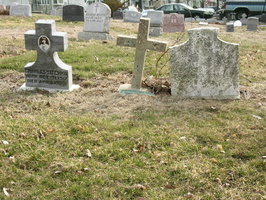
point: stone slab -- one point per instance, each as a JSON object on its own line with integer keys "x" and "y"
{"x": 126, "y": 90}
{"x": 94, "y": 36}
{"x": 205, "y": 67}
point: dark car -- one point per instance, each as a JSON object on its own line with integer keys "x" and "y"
{"x": 188, "y": 11}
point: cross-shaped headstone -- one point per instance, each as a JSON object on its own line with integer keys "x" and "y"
{"x": 48, "y": 71}
{"x": 141, "y": 43}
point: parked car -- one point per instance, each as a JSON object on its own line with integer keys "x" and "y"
{"x": 239, "y": 7}
{"x": 188, "y": 11}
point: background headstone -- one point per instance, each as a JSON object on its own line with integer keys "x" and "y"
{"x": 263, "y": 18}
{"x": 20, "y": 10}
{"x": 189, "y": 19}
{"x": 73, "y": 13}
{"x": 132, "y": 16}
{"x": 212, "y": 20}
{"x": 229, "y": 27}
{"x": 97, "y": 23}
{"x": 118, "y": 14}
{"x": 156, "y": 21}
{"x": 205, "y": 67}
{"x": 58, "y": 11}
{"x": 48, "y": 71}
{"x": 244, "y": 19}
{"x": 173, "y": 23}
{"x": 252, "y": 24}
{"x": 237, "y": 23}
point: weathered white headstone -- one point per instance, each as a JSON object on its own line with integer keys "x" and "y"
{"x": 237, "y": 23}
{"x": 173, "y": 23}
{"x": 20, "y": 10}
{"x": 205, "y": 67}
{"x": 141, "y": 43}
{"x": 252, "y": 24}
{"x": 132, "y": 16}
{"x": 48, "y": 72}
{"x": 97, "y": 22}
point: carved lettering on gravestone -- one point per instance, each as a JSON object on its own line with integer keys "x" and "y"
{"x": 97, "y": 22}
{"x": 142, "y": 43}
{"x": 48, "y": 71}
{"x": 205, "y": 66}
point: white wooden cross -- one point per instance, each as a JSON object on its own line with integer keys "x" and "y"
{"x": 141, "y": 43}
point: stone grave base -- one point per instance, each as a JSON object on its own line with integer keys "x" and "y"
{"x": 50, "y": 90}
{"x": 156, "y": 31}
{"x": 126, "y": 89}
{"x": 94, "y": 36}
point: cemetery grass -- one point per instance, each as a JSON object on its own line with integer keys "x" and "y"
{"x": 94, "y": 143}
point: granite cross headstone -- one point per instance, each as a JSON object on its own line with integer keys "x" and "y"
{"x": 244, "y": 19}
{"x": 205, "y": 67}
{"x": 97, "y": 22}
{"x": 73, "y": 13}
{"x": 48, "y": 72}
{"x": 141, "y": 43}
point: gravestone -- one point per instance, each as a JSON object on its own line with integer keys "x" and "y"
{"x": 204, "y": 23}
{"x": 17, "y": 9}
{"x": 263, "y": 18}
{"x": 200, "y": 20}
{"x": 58, "y": 11}
{"x": 189, "y": 19}
{"x": 97, "y": 22}
{"x": 224, "y": 19}
{"x": 205, "y": 67}
{"x": 237, "y": 23}
{"x": 173, "y": 23}
{"x": 141, "y": 43}
{"x": 48, "y": 72}
{"x": 212, "y": 21}
{"x": 252, "y": 24}
{"x": 230, "y": 27}
{"x": 244, "y": 19}
{"x": 73, "y": 13}
{"x": 132, "y": 16}
{"x": 156, "y": 22}
{"x": 118, "y": 14}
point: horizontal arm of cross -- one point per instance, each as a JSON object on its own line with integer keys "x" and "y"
{"x": 150, "y": 44}
{"x": 30, "y": 40}
{"x": 126, "y": 41}
{"x": 156, "y": 45}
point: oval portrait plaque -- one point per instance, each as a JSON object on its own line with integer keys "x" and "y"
{"x": 44, "y": 43}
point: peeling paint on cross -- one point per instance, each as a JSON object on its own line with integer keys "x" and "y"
{"x": 141, "y": 43}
